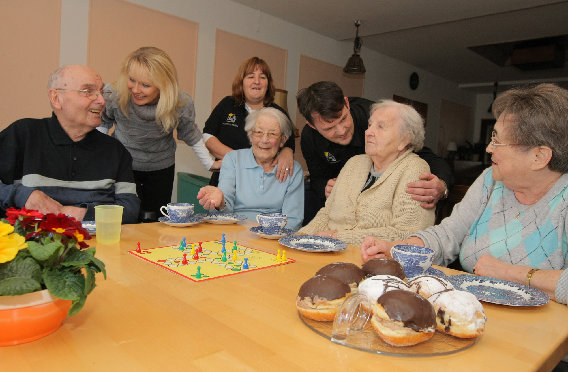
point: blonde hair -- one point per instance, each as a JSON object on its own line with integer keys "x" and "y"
{"x": 162, "y": 74}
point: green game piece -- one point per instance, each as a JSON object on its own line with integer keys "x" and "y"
{"x": 224, "y": 259}
{"x": 235, "y": 246}
{"x": 198, "y": 273}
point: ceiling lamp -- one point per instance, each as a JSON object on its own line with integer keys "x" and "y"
{"x": 355, "y": 63}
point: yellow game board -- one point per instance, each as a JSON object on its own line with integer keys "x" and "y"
{"x": 210, "y": 263}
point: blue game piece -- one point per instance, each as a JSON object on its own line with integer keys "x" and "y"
{"x": 223, "y": 239}
{"x": 245, "y": 265}
{"x": 183, "y": 243}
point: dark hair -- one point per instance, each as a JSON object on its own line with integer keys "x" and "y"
{"x": 325, "y": 98}
{"x": 539, "y": 117}
{"x": 246, "y": 68}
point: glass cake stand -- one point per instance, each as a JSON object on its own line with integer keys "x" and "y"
{"x": 351, "y": 328}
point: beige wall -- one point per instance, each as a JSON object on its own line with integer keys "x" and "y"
{"x": 117, "y": 28}
{"x": 29, "y": 36}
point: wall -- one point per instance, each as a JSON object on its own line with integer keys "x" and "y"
{"x": 385, "y": 76}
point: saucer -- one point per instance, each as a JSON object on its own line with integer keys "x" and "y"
{"x": 90, "y": 226}
{"x": 258, "y": 231}
{"x": 193, "y": 220}
{"x": 221, "y": 218}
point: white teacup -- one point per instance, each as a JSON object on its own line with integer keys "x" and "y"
{"x": 178, "y": 212}
{"x": 272, "y": 223}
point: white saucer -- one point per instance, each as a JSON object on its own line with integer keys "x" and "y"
{"x": 258, "y": 231}
{"x": 193, "y": 220}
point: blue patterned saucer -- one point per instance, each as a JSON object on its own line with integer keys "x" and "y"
{"x": 313, "y": 243}
{"x": 258, "y": 231}
{"x": 90, "y": 226}
{"x": 221, "y": 218}
{"x": 193, "y": 220}
{"x": 498, "y": 291}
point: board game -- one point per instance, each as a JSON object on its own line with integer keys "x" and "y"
{"x": 210, "y": 259}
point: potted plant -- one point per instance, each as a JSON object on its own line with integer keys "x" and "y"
{"x": 46, "y": 271}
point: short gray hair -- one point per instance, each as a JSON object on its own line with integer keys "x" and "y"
{"x": 281, "y": 118}
{"x": 410, "y": 120}
{"x": 539, "y": 117}
{"x": 55, "y": 77}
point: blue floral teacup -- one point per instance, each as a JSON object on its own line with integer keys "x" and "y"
{"x": 178, "y": 212}
{"x": 272, "y": 223}
{"x": 414, "y": 259}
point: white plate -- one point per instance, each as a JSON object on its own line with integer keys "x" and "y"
{"x": 221, "y": 218}
{"x": 258, "y": 231}
{"x": 313, "y": 243}
{"x": 193, "y": 220}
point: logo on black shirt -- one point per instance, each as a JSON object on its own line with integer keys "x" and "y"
{"x": 231, "y": 118}
{"x": 329, "y": 157}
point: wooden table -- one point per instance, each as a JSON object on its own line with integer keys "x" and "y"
{"x": 146, "y": 318}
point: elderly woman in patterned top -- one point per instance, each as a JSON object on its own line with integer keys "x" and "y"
{"x": 512, "y": 222}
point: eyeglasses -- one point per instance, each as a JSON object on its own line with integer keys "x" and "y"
{"x": 258, "y": 134}
{"x": 90, "y": 93}
{"x": 495, "y": 143}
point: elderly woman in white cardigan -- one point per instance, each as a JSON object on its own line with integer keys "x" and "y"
{"x": 369, "y": 197}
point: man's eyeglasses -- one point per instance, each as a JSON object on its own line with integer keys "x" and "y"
{"x": 90, "y": 93}
{"x": 496, "y": 143}
{"x": 258, "y": 134}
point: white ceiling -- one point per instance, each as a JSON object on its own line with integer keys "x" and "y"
{"x": 434, "y": 35}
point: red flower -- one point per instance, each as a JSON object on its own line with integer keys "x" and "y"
{"x": 66, "y": 226}
{"x": 29, "y": 216}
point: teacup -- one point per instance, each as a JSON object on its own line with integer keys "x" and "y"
{"x": 272, "y": 223}
{"x": 414, "y": 259}
{"x": 178, "y": 212}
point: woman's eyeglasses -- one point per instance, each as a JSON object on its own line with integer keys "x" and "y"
{"x": 495, "y": 143}
{"x": 258, "y": 134}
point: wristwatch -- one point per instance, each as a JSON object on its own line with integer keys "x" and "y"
{"x": 446, "y": 191}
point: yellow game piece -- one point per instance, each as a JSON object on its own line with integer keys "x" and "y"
{"x": 283, "y": 258}
{"x": 234, "y": 256}
{"x": 278, "y": 256}
{"x": 192, "y": 249}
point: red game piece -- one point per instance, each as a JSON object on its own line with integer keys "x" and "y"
{"x": 184, "y": 261}
{"x": 196, "y": 255}
{"x": 138, "y": 250}
{"x": 200, "y": 249}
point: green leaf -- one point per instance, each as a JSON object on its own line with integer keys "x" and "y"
{"x": 48, "y": 252}
{"x": 77, "y": 305}
{"x": 77, "y": 258}
{"x": 99, "y": 266}
{"x": 89, "y": 280}
{"x": 64, "y": 283}
{"x": 18, "y": 285}
{"x": 22, "y": 266}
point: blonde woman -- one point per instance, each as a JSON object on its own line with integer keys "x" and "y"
{"x": 146, "y": 104}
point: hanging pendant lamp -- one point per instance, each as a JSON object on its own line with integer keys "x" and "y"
{"x": 355, "y": 64}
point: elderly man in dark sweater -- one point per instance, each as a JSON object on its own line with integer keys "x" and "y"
{"x": 61, "y": 164}
{"x": 335, "y": 132}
